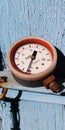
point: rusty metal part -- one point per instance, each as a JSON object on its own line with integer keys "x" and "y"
{"x": 3, "y": 79}
{"x": 50, "y": 83}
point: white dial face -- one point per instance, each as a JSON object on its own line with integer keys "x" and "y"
{"x": 33, "y": 58}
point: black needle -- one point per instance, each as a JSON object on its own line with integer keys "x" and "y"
{"x": 33, "y": 55}
{"x": 32, "y": 58}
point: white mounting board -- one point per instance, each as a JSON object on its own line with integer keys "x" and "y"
{"x": 14, "y": 84}
{"x": 40, "y": 94}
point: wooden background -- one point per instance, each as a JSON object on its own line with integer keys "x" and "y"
{"x": 23, "y": 18}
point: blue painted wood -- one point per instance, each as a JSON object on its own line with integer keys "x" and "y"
{"x": 32, "y": 18}
{"x": 40, "y": 116}
{"x": 33, "y": 116}
{"x": 41, "y": 18}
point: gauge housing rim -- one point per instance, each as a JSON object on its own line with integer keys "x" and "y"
{"x": 25, "y": 76}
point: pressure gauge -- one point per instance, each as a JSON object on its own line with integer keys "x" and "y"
{"x": 32, "y": 58}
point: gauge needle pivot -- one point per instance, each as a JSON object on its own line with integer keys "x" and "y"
{"x": 33, "y": 56}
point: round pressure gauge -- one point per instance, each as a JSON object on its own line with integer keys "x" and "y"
{"x": 32, "y": 58}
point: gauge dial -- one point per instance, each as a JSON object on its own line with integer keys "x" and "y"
{"x": 23, "y": 58}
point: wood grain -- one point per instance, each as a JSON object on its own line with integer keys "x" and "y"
{"x": 23, "y": 18}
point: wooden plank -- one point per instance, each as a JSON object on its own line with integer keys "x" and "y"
{"x": 39, "y": 97}
{"x": 31, "y": 18}
{"x": 33, "y": 115}
{"x": 40, "y": 116}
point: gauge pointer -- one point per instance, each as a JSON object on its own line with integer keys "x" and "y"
{"x": 32, "y": 58}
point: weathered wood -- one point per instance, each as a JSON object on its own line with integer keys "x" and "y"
{"x": 41, "y": 18}
{"x": 41, "y": 116}
{"x": 32, "y": 18}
